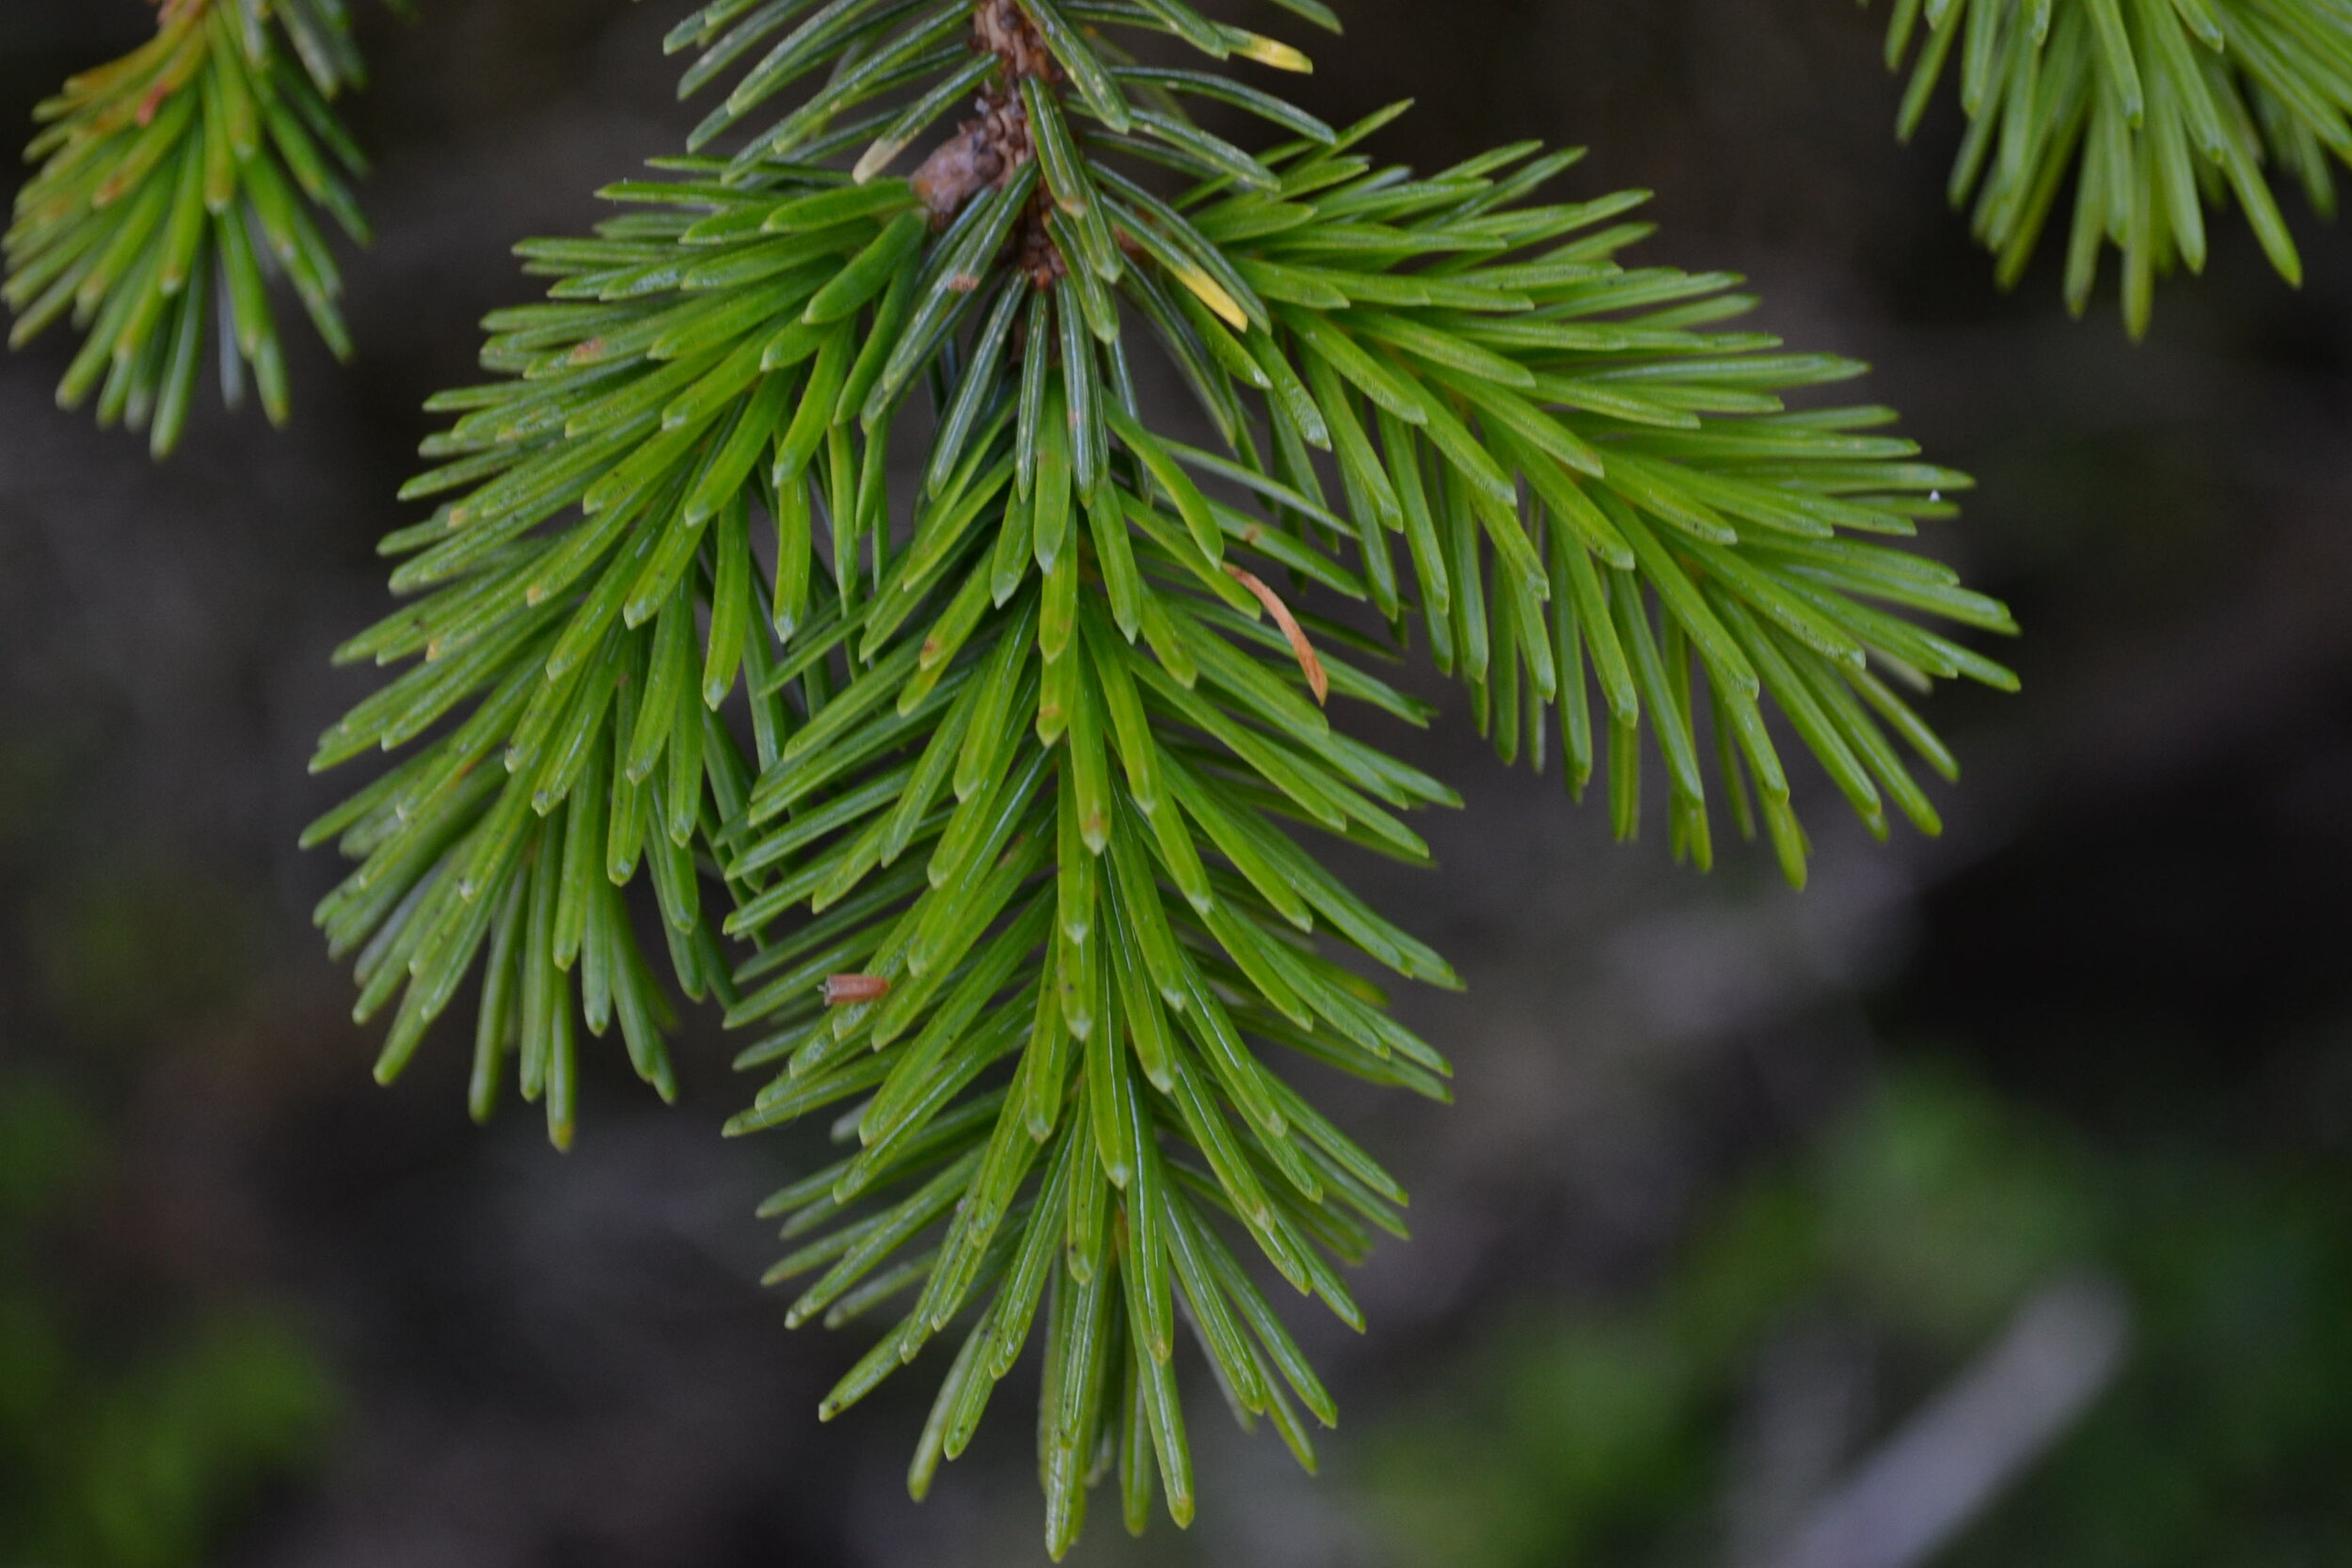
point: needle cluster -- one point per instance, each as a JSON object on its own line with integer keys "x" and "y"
{"x": 176, "y": 184}
{"x": 982, "y": 792}
{"x": 2159, "y": 109}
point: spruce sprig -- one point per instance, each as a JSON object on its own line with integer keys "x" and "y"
{"x": 179, "y": 182}
{"x": 994, "y": 781}
{"x": 1585, "y": 479}
{"x": 2159, "y": 108}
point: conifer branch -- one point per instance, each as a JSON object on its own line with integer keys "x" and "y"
{"x": 178, "y": 182}
{"x": 1585, "y": 479}
{"x": 2159, "y": 108}
{"x": 992, "y": 784}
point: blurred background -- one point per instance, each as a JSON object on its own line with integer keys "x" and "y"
{"x": 1987, "y": 1204}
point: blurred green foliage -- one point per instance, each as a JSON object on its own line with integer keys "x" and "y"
{"x": 118, "y": 1454}
{"x": 1915, "y": 1228}
{"x": 2227, "y": 1443}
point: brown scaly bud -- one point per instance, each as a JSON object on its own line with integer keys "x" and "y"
{"x": 957, "y": 170}
{"x": 1003, "y": 29}
{"x": 994, "y": 141}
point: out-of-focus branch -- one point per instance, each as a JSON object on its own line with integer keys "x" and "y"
{"x": 1955, "y": 1457}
